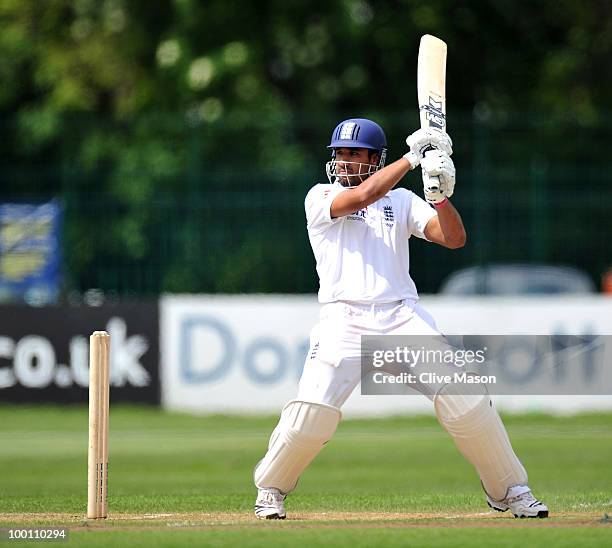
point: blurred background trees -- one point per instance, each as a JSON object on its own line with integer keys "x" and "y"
{"x": 182, "y": 136}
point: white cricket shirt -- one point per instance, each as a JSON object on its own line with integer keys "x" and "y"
{"x": 364, "y": 257}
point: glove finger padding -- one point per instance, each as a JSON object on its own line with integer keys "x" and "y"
{"x": 428, "y": 138}
{"x": 438, "y": 176}
{"x": 433, "y": 189}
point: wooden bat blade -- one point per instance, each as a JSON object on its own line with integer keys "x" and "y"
{"x": 431, "y": 82}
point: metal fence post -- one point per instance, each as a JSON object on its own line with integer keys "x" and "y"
{"x": 538, "y": 174}
{"x": 481, "y": 175}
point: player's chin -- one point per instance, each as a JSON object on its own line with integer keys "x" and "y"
{"x": 351, "y": 180}
{"x": 356, "y": 180}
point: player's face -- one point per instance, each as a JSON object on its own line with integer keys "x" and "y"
{"x": 353, "y": 165}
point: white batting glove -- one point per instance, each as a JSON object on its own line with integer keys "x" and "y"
{"x": 438, "y": 176}
{"x": 426, "y": 139}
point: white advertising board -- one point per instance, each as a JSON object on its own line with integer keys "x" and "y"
{"x": 244, "y": 354}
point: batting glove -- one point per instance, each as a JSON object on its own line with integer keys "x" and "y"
{"x": 438, "y": 176}
{"x": 426, "y": 139}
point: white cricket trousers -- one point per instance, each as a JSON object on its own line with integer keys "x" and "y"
{"x": 333, "y": 365}
{"x": 333, "y": 370}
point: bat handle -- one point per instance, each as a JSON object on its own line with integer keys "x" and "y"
{"x": 434, "y": 181}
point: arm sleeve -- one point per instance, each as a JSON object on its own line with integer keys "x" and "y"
{"x": 318, "y": 207}
{"x": 419, "y": 214}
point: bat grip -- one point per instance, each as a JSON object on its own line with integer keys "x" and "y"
{"x": 434, "y": 181}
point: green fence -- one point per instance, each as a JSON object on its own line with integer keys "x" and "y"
{"x": 227, "y": 215}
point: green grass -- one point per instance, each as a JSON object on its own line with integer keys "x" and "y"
{"x": 200, "y": 469}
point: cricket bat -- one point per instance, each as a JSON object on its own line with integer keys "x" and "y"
{"x": 431, "y": 83}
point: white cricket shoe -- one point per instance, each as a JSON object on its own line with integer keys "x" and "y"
{"x": 270, "y": 504}
{"x": 521, "y": 502}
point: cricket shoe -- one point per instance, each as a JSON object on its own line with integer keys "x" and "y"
{"x": 521, "y": 502}
{"x": 270, "y": 504}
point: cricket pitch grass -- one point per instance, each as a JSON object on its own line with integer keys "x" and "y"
{"x": 183, "y": 480}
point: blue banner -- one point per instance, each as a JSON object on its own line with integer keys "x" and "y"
{"x": 30, "y": 252}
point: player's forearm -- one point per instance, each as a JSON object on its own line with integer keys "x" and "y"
{"x": 377, "y": 185}
{"x": 451, "y": 225}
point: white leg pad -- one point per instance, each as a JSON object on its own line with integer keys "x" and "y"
{"x": 481, "y": 437}
{"x": 302, "y": 430}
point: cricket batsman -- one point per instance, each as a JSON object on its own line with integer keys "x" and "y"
{"x": 359, "y": 227}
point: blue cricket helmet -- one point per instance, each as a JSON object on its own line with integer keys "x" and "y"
{"x": 358, "y": 133}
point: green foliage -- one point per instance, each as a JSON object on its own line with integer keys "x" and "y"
{"x": 122, "y": 102}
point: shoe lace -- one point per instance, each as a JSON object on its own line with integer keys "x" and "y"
{"x": 273, "y": 497}
{"x": 523, "y": 497}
